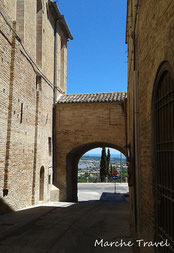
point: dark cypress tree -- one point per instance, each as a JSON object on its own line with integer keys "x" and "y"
{"x": 103, "y": 165}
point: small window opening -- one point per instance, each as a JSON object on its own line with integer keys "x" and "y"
{"x": 38, "y": 83}
{"x": 49, "y": 145}
{"x": 49, "y": 179}
{"x": 21, "y": 113}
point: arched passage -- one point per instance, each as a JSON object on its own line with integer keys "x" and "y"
{"x": 41, "y": 184}
{"x": 72, "y": 161}
{"x": 84, "y": 122}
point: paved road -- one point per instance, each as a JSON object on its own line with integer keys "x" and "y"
{"x": 72, "y": 229}
{"x": 93, "y": 191}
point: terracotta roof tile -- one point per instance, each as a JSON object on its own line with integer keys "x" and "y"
{"x": 92, "y": 98}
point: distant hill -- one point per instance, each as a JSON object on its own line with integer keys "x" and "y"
{"x": 86, "y": 157}
{"x": 97, "y": 157}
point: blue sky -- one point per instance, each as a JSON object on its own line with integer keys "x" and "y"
{"x": 97, "y": 55}
{"x": 98, "y": 151}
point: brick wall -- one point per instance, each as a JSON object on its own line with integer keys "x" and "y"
{"x": 153, "y": 44}
{"x": 26, "y": 106}
{"x": 79, "y": 128}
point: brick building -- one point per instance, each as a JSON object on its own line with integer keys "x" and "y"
{"x": 84, "y": 122}
{"x": 150, "y": 39}
{"x": 33, "y": 60}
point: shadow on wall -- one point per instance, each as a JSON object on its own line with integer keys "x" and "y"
{"x": 4, "y": 207}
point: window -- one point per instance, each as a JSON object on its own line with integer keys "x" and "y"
{"x": 49, "y": 179}
{"x": 38, "y": 83}
{"x": 21, "y": 113}
{"x": 49, "y": 145}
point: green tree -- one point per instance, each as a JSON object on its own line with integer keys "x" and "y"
{"x": 103, "y": 165}
{"x": 110, "y": 173}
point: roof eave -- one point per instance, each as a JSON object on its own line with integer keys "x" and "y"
{"x": 61, "y": 20}
{"x": 64, "y": 23}
{"x": 79, "y": 98}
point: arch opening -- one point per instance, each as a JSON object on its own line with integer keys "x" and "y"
{"x": 73, "y": 159}
{"x": 96, "y": 174}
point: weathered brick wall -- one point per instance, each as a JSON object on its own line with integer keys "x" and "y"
{"x": 10, "y": 6}
{"x": 81, "y": 127}
{"x": 130, "y": 104}
{"x": 24, "y": 143}
{"x": 5, "y": 56}
{"x": 30, "y": 27}
{"x": 154, "y": 40}
{"x": 63, "y": 64}
{"x": 44, "y": 158}
{"x": 17, "y": 137}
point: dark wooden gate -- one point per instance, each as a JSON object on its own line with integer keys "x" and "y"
{"x": 164, "y": 160}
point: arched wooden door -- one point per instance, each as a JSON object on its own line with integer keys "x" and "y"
{"x": 163, "y": 105}
{"x": 41, "y": 187}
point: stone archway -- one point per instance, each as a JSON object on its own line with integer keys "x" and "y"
{"x": 72, "y": 161}
{"x": 83, "y": 122}
{"x": 41, "y": 184}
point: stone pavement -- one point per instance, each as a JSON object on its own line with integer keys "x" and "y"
{"x": 70, "y": 229}
{"x": 93, "y": 191}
